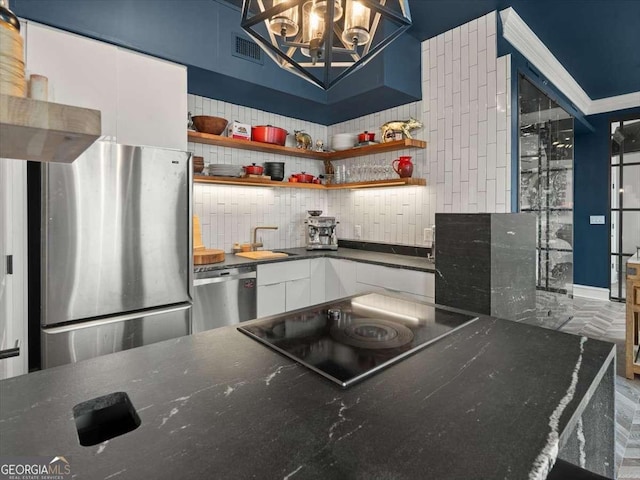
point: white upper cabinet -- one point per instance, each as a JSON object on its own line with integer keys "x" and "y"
{"x": 152, "y": 101}
{"x": 81, "y": 71}
{"x": 143, "y": 100}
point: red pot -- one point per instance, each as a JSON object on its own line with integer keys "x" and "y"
{"x": 366, "y": 137}
{"x": 269, "y": 134}
{"x": 254, "y": 169}
{"x": 304, "y": 178}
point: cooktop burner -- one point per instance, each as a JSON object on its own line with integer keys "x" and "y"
{"x": 372, "y": 333}
{"x": 352, "y": 338}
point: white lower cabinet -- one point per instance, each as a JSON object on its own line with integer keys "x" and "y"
{"x": 297, "y": 294}
{"x": 340, "y": 280}
{"x": 410, "y": 283}
{"x": 283, "y": 286}
{"x": 271, "y": 299}
{"x": 286, "y": 286}
{"x": 317, "y": 281}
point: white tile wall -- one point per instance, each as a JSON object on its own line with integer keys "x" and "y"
{"x": 466, "y": 111}
{"x": 228, "y": 213}
{"x": 467, "y": 122}
{"x": 395, "y": 215}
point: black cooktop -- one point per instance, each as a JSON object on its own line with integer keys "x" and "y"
{"x": 350, "y": 339}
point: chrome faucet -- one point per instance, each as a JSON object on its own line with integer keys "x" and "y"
{"x": 255, "y": 244}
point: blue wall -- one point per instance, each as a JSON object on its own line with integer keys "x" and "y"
{"x": 591, "y": 172}
{"x": 198, "y": 34}
{"x": 591, "y": 192}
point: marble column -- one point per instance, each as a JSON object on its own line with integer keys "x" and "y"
{"x": 485, "y": 263}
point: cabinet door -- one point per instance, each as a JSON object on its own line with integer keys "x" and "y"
{"x": 152, "y": 101}
{"x": 81, "y": 72}
{"x": 279, "y": 272}
{"x": 297, "y": 294}
{"x": 317, "y": 281}
{"x": 271, "y": 299}
{"x": 340, "y": 279}
{"x": 13, "y": 283}
{"x": 396, "y": 279}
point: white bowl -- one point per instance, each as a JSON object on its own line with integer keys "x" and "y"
{"x": 343, "y": 141}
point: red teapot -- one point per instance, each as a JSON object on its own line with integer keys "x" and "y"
{"x": 403, "y": 167}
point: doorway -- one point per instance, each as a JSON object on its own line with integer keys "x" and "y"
{"x": 625, "y": 200}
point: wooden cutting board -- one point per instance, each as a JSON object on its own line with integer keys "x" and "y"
{"x": 201, "y": 255}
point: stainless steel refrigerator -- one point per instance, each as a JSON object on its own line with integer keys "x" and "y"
{"x": 110, "y": 249}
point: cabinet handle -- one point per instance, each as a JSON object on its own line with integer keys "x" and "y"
{"x": 9, "y": 264}
{"x": 10, "y": 352}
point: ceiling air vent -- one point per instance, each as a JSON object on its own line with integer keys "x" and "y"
{"x": 242, "y": 47}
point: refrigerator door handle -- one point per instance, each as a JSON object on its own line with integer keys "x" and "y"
{"x": 11, "y": 352}
{"x": 115, "y": 319}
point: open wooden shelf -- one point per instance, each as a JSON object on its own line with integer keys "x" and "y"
{"x": 256, "y": 182}
{"x": 44, "y": 131}
{"x": 198, "y": 137}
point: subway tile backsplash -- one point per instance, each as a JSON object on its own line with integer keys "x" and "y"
{"x": 466, "y": 113}
{"x": 227, "y": 213}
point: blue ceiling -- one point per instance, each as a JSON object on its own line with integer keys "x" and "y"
{"x": 597, "y": 41}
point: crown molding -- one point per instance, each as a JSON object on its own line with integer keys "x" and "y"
{"x": 518, "y": 33}
{"x": 610, "y": 104}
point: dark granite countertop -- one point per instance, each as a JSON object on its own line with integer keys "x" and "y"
{"x": 482, "y": 403}
{"x": 385, "y": 259}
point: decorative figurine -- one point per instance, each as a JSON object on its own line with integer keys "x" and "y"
{"x": 328, "y": 167}
{"x": 190, "y": 125}
{"x": 390, "y": 129}
{"x": 319, "y": 146}
{"x": 303, "y": 140}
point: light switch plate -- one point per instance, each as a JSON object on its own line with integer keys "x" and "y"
{"x": 357, "y": 231}
{"x": 427, "y": 236}
{"x": 596, "y": 220}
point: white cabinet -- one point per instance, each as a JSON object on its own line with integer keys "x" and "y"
{"x": 297, "y": 294}
{"x": 286, "y": 286}
{"x": 271, "y": 299}
{"x": 13, "y": 284}
{"x": 411, "y": 283}
{"x": 317, "y": 281}
{"x": 152, "y": 101}
{"x": 81, "y": 71}
{"x": 283, "y": 286}
{"x": 340, "y": 279}
{"x": 143, "y": 100}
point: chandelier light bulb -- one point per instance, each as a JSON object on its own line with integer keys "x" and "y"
{"x": 285, "y": 24}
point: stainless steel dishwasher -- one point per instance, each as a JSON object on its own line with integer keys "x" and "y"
{"x": 223, "y": 297}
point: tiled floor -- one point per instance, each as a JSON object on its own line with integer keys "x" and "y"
{"x": 603, "y": 321}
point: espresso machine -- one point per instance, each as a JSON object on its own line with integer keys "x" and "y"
{"x": 321, "y": 231}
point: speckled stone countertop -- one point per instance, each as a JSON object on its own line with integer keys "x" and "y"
{"x": 490, "y": 401}
{"x": 385, "y": 259}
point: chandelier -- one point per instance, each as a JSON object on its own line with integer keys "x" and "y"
{"x": 323, "y": 41}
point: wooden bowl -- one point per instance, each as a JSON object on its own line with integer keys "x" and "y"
{"x": 207, "y": 124}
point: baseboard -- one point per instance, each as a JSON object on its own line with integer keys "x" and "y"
{"x": 595, "y": 293}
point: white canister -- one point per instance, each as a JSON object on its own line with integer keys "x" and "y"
{"x": 39, "y": 87}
